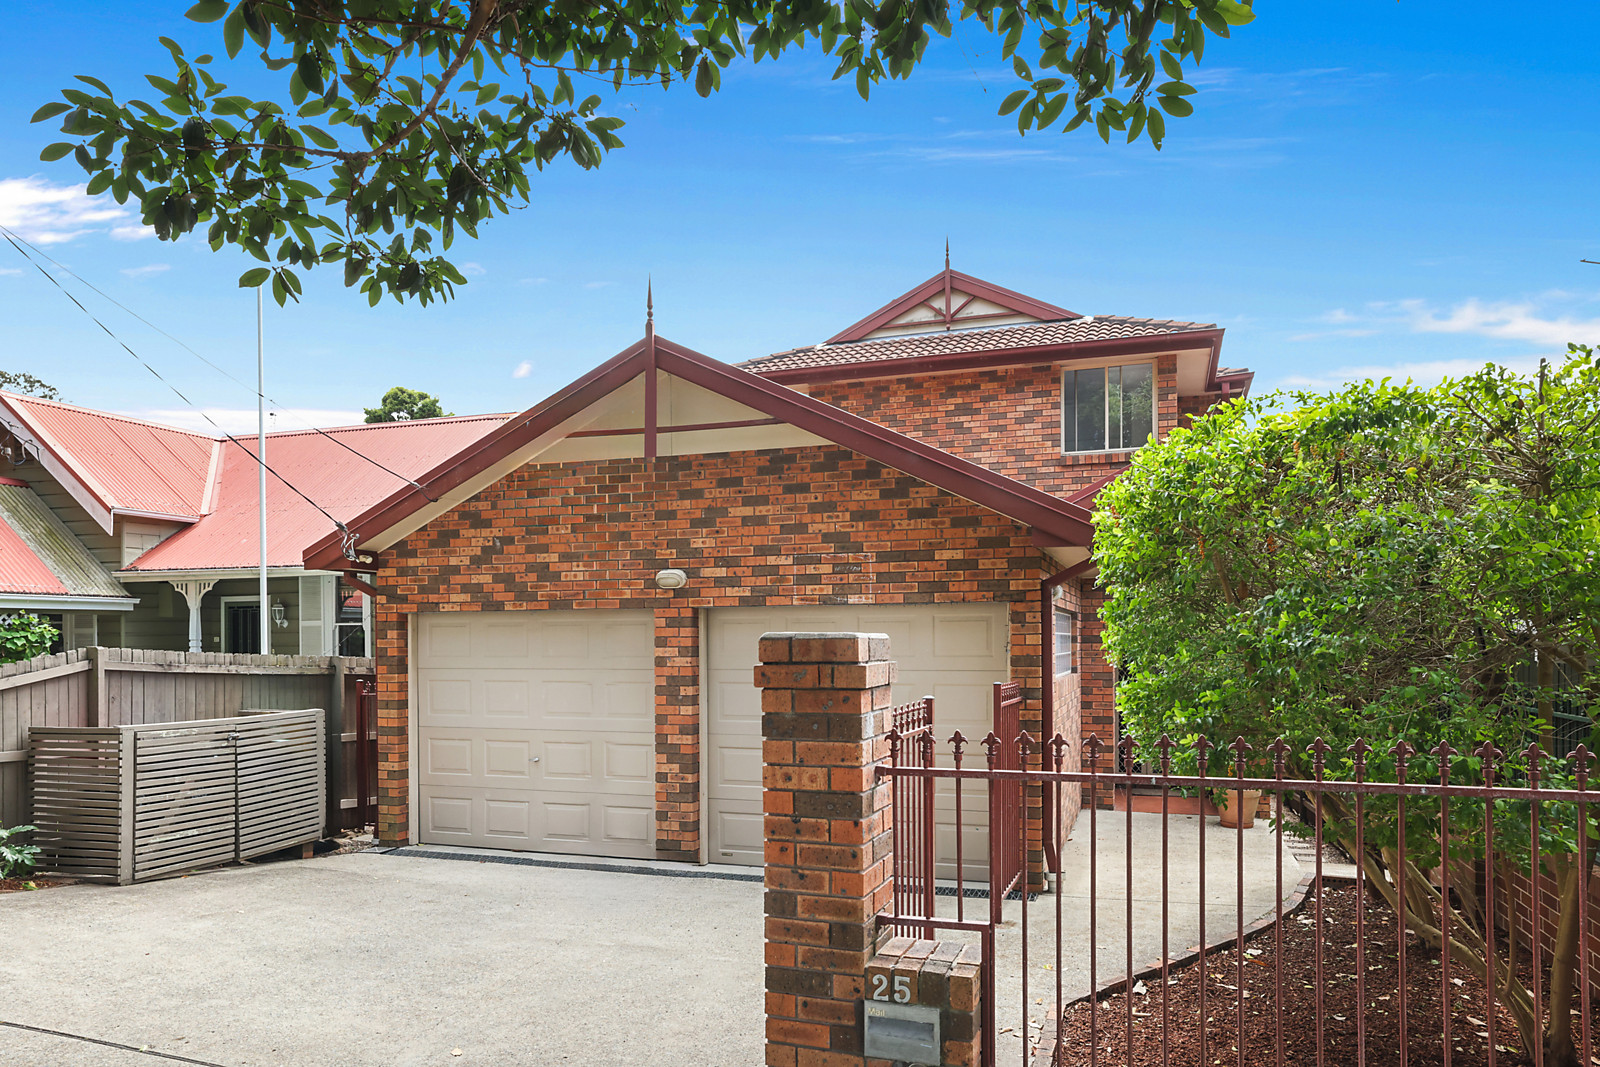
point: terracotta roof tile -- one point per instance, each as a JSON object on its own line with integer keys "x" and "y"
{"x": 957, "y": 342}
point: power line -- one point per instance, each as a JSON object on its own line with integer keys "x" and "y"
{"x": 348, "y": 536}
{"x": 15, "y": 239}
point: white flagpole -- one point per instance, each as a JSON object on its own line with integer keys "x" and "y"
{"x": 264, "y": 646}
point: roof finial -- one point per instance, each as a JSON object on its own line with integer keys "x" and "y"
{"x": 649, "y": 299}
{"x": 947, "y": 253}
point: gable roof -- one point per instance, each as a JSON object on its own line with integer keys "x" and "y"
{"x": 113, "y": 464}
{"x": 1087, "y": 335}
{"x": 39, "y": 556}
{"x": 316, "y": 464}
{"x": 950, "y": 299}
{"x": 479, "y": 464}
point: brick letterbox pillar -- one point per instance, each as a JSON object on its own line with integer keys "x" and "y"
{"x": 824, "y": 699}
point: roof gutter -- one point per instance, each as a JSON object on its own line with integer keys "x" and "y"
{"x": 49, "y": 602}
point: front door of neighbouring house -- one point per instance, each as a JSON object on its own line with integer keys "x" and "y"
{"x": 536, "y": 730}
{"x": 241, "y": 623}
{"x": 952, "y": 652}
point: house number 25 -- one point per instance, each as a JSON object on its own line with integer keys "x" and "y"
{"x": 902, "y": 988}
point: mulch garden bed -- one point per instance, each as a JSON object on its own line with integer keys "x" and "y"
{"x": 27, "y": 885}
{"x": 1182, "y": 1045}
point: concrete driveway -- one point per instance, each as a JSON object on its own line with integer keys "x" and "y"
{"x": 385, "y": 960}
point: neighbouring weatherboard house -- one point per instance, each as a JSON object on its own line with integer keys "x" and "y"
{"x": 127, "y": 533}
{"x": 570, "y": 604}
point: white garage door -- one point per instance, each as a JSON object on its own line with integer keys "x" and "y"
{"x": 536, "y": 730}
{"x": 952, "y": 652}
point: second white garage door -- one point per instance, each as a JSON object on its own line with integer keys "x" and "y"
{"x": 536, "y": 730}
{"x": 952, "y": 652}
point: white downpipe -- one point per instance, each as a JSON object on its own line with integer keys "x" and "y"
{"x": 264, "y": 605}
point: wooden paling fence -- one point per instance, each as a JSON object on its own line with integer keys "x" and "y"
{"x": 127, "y": 803}
{"x": 93, "y": 687}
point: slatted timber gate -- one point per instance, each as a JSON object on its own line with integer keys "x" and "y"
{"x": 127, "y": 803}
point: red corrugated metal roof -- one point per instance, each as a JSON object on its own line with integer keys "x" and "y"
{"x": 128, "y": 464}
{"x": 21, "y": 569}
{"x": 344, "y": 484}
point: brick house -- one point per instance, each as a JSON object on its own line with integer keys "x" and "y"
{"x": 570, "y": 605}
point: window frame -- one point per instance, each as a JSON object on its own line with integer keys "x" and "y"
{"x": 1069, "y": 372}
{"x": 1057, "y": 613}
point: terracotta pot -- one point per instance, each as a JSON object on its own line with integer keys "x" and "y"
{"x": 1239, "y": 804}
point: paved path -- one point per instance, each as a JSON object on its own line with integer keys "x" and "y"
{"x": 387, "y": 961}
{"x": 1112, "y": 940}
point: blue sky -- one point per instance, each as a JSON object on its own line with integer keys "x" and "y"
{"x": 1406, "y": 188}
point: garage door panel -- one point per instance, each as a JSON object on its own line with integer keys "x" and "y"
{"x": 568, "y": 760}
{"x": 536, "y": 731}
{"x": 952, "y": 652}
{"x": 630, "y": 764}
{"x": 507, "y": 759}
{"x": 447, "y": 757}
{"x": 739, "y": 833}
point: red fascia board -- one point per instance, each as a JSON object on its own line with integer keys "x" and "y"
{"x": 935, "y": 466}
{"x": 1025, "y": 305}
{"x": 327, "y": 553}
{"x": 1003, "y": 357}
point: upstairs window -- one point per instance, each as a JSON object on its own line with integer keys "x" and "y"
{"x": 1108, "y": 409}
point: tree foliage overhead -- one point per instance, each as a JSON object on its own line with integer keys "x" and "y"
{"x": 28, "y": 385}
{"x": 1385, "y": 566}
{"x": 401, "y": 405}
{"x": 401, "y": 123}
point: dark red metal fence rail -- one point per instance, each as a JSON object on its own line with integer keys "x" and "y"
{"x": 1469, "y": 804}
{"x": 911, "y": 745}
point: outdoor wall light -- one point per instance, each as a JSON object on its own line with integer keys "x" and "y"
{"x": 280, "y": 618}
{"x": 671, "y": 579}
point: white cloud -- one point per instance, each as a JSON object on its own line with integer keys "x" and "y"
{"x": 524, "y": 369}
{"x": 532, "y": 281}
{"x": 134, "y": 232}
{"x": 146, "y": 270}
{"x": 473, "y": 270}
{"x": 1423, "y": 373}
{"x": 46, "y": 213}
{"x": 595, "y": 285}
{"x": 243, "y": 420}
{"x": 10, "y": 270}
{"x": 1503, "y": 321}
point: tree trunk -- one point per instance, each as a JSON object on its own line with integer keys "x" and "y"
{"x": 1559, "y": 1048}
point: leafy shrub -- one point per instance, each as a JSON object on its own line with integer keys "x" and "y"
{"x": 16, "y": 859}
{"x": 24, "y": 635}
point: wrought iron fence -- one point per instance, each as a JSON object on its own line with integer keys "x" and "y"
{"x": 1488, "y": 859}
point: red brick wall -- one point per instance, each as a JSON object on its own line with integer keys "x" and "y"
{"x": 1008, "y": 420}
{"x": 790, "y": 526}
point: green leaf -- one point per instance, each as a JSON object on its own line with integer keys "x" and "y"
{"x": 233, "y": 31}
{"x": 207, "y": 11}
{"x": 96, "y": 82}
{"x": 1157, "y": 126}
{"x": 702, "y": 78}
{"x": 1052, "y": 111}
{"x": 1170, "y": 64}
{"x": 1176, "y": 106}
{"x": 1175, "y": 89}
{"x": 99, "y": 183}
{"x": 1013, "y": 101}
{"x": 55, "y": 151}
{"x": 253, "y": 278}
{"x": 1022, "y": 69}
{"x": 1235, "y": 13}
{"x": 50, "y": 111}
